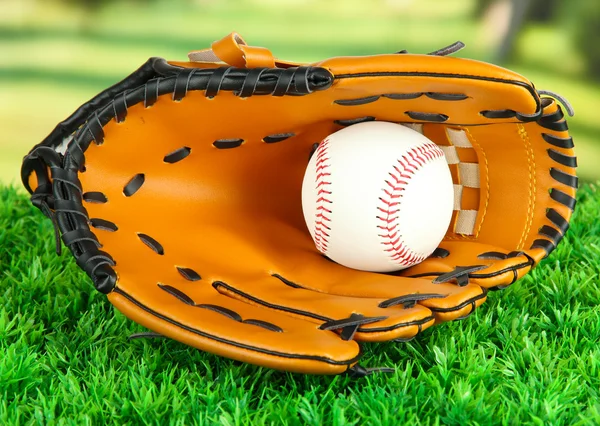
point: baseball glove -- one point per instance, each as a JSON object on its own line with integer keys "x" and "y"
{"x": 178, "y": 192}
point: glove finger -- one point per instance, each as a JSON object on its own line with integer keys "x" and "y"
{"x": 374, "y": 320}
{"x": 197, "y": 315}
{"x": 464, "y": 261}
{"x": 402, "y": 320}
{"x": 296, "y": 260}
{"x": 447, "y": 301}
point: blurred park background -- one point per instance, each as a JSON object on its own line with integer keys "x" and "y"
{"x": 56, "y": 54}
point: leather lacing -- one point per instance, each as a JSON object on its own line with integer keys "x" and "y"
{"x": 60, "y": 195}
{"x": 555, "y": 121}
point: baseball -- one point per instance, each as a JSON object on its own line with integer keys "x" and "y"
{"x": 377, "y": 196}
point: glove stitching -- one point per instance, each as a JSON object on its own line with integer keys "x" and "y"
{"x": 532, "y": 184}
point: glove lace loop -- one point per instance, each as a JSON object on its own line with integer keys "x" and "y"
{"x": 560, "y": 99}
{"x": 448, "y": 50}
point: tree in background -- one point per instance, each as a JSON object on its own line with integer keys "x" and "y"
{"x": 519, "y": 14}
{"x": 544, "y": 10}
{"x": 539, "y": 10}
{"x": 586, "y": 33}
{"x": 506, "y": 18}
{"x": 481, "y": 7}
{"x": 503, "y": 21}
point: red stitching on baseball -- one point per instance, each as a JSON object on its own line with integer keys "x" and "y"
{"x": 322, "y": 185}
{"x": 415, "y": 154}
{"x": 415, "y": 159}
{"x": 409, "y": 164}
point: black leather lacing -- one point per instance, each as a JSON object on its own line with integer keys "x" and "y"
{"x": 59, "y": 193}
{"x": 460, "y": 274}
{"x": 177, "y": 155}
{"x": 448, "y": 50}
{"x": 410, "y": 300}
{"x": 360, "y": 371}
{"x": 189, "y": 274}
{"x": 95, "y": 197}
{"x": 278, "y": 137}
{"x": 351, "y": 121}
{"x": 440, "y": 253}
{"x": 552, "y": 235}
{"x": 103, "y": 224}
{"x": 349, "y": 325}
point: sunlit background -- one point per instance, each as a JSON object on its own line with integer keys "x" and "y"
{"x": 55, "y": 55}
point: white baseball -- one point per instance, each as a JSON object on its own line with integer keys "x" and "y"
{"x": 377, "y": 196}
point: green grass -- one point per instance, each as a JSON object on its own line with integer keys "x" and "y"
{"x": 529, "y": 355}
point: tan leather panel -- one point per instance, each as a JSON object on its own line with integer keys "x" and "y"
{"x": 507, "y": 173}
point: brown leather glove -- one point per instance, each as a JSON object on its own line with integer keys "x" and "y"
{"x": 178, "y": 191}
